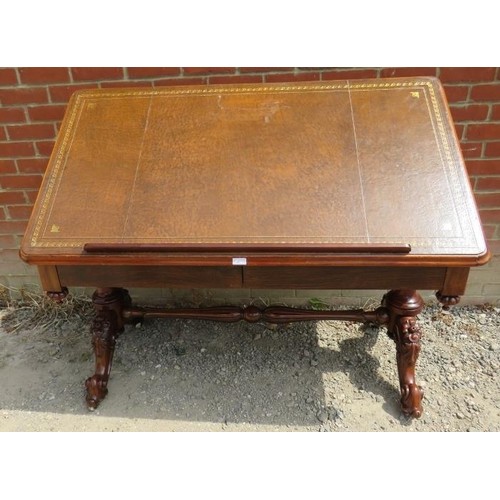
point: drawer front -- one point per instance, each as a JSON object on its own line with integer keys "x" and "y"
{"x": 329, "y": 278}
{"x": 151, "y": 276}
{"x": 332, "y": 278}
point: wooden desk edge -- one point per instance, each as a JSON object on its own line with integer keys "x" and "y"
{"x": 253, "y": 259}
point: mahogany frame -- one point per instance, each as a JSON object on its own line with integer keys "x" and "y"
{"x": 398, "y": 312}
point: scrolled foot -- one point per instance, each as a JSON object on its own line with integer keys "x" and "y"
{"x": 96, "y": 391}
{"x": 411, "y": 400}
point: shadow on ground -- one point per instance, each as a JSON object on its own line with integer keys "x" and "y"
{"x": 299, "y": 375}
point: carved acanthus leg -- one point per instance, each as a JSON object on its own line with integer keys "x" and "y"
{"x": 106, "y": 327}
{"x": 403, "y": 307}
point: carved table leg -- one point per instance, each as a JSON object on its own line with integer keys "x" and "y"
{"x": 108, "y": 324}
{"x": 403, "y": 307}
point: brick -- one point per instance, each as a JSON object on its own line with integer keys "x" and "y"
{"x": 2, "y": 214}
{"x": 489, "y": 92}
{"x": 10, "y": 255}
{"x": 486, "y": 131}
{"x": 208, "y": 71}
{"x": 472, "y": 289}
{"x": 473, "y": 112}
{"x": 264, "y": 70}
{"x": 398, "y": 72}
{"x": 291, "y": 77}
{"x": 495, "y": 112}
{"x": 32, "y": 165}
{"x": 43, "y": 75}
{"x": 459, "y": 129}
{"x": 490, "y": 216}
{"x": 471, "y": 149}
{"x": 489, "y": 230}
{"x": 62, "y": 93}
{"x": 152, "y": 72}
{"x": 487, "y": 200}
{"x": 45, "y": 147}
{"x": 19, "y": 212}
{"x": 31, "y": 195}
{"x": 352, "y": 302}
{"x": 8, "y": 76}
{"x": 20, "y": 181}
{"x": 235, "y": 79}
{"x": 12, "y": 115}
{"x": 12, "y": 227}
{"x": 494, "y": 248}
{"x": 456, "y": 93}
{"x": 7, "y": 167}
{"x": 179, "y": 81}
{"x": 488, "y": 183}
{"x": 82, "y": 74}
{"x": 308, "y": 294}
{"x": 28, "y": 131}
{"x": 8, "y": 241}
{"x": 466, "y": 74}
{"x": 3, "y": 134}
{"x": 491, "y": 289}
{"x": 17, "y": 274}
{"x": 319, "y": 68}
{"x": 483, "y": 167}
{"x": 15, "y": 149}
{"x": 46, "y": 113}
{"x": 471, "y": 298}
{"x": 126, "y": 83}
{"x": 349, "y": 74}
{"x": 23, "y": 96}
{"x": 12, "y": 198}
{"x": 492, "y": 149}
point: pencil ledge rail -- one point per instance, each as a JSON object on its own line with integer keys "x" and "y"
{"x": 258, "y": 248}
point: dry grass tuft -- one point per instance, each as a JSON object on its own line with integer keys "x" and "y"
{"x": 35, "y": 311}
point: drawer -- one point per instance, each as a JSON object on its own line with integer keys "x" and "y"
{"x": 151, "y": 276}
{"x": 332, "y": 278}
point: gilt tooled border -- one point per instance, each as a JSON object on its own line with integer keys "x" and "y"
{"x": 62, "y": 148}
{"x": 60, "y": 153}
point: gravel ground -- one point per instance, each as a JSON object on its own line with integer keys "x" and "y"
{"x": 171, "y": 375}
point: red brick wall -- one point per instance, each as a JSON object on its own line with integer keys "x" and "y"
{"x": 33, "y": 100}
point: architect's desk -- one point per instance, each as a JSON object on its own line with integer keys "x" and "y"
{"x": 339, "y": 185}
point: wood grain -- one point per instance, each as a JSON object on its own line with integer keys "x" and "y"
{"x": 49, "y": 278}
{"x": 149, "y": 276}
{"x": 328, "y": 278}
{"x": 343, "y": 277}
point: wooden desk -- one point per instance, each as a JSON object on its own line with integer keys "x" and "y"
{"x": 346, "y": 184}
